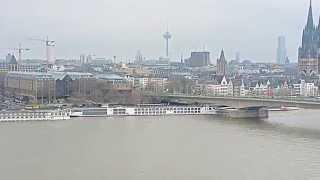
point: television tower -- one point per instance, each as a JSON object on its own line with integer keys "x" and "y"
{"x": 167, "y": 36}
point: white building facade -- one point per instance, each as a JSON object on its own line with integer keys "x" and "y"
{"x": 225, "y": 88}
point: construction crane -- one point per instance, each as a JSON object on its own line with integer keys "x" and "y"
{"x": 19, "y": 49}
{"x": 48, "y": 44}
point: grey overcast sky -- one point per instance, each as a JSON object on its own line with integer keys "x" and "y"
{"x": 121, "y": 27}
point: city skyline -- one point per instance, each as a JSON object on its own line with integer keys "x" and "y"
{"x": 215, "y": 25}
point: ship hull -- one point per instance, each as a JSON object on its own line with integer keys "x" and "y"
{"x": 143, "y": 111}
{"x": 45, "y": 115}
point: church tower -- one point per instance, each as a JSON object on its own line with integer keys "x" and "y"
{"x": 222, "y": 65}
{"x": 309, "y": 54}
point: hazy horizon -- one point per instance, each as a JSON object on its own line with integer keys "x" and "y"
{"x": 121, "y": 28}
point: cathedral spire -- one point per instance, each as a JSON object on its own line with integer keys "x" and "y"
{"x": 310, "y": 17}
{"x": 222, "y": 57}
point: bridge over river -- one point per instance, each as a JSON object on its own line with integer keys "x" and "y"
{"x": 242, "y": 101}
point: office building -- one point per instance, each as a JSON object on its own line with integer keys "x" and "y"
{"x": 281, "y": 50}
{"x": 198, "y": 59}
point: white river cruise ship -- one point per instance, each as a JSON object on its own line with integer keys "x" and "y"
{"x": 35, "y": 115}
{"x": 143, "y": 110}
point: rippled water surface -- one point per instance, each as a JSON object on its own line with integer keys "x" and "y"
{"x": 284, "y": 147}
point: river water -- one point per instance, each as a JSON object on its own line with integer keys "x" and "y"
{"x": 284, "y": 147}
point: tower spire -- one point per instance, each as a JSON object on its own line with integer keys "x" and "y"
{"x": 310, "y": 17}
{"x": 222, "y": 55}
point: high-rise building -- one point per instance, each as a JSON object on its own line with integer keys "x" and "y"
{"x": 222, "y": 65}
{"x": 281, "y": 50}
{"x": 238, "y": 59}
{"x": 198, "y": 59}
{"x": 82, "y": 59}
{"x": 89, "y": 59}
{"x": 309, "y": 51}
{"x": 8, "y": 58}
{"x": 50, "y": 52}
{"x": 138, "y": 58}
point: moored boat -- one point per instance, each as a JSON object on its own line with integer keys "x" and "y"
{"x": 144, "y": 110}
{"x": 254, "y": 112}
{"x": 89, "y": 112}
{"x": 283, "y": 108}
{"x": 35, "y": 115}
